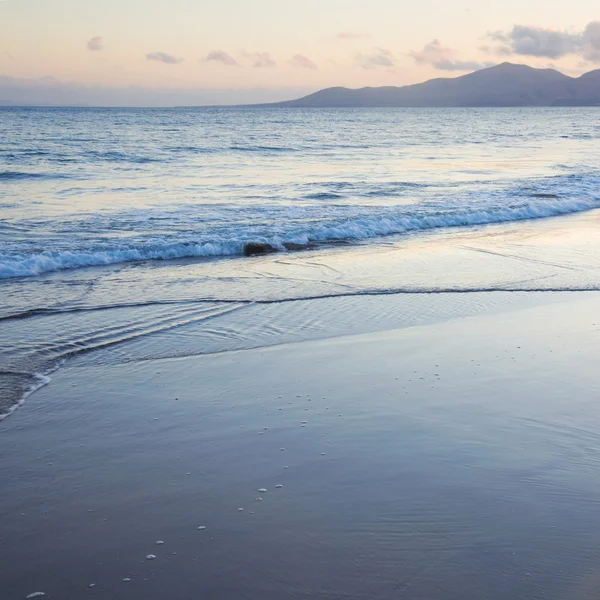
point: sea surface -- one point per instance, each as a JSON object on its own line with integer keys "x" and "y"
{"x": 121, "y": 226}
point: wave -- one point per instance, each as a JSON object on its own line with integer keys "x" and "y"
{"x": 114, "y": 156}
{"x": 192, "y": 149}
{"x": 31, "y": 382}
{"x": 324, "y": 196}
{"x": 22, "y": 154}
{"x": 261, "y": 148}
{"x": 305, "y": 236}
{"x": 20, "y": 175}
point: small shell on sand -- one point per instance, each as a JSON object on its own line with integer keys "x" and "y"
{"x": 150, "y": 556}
{"x": 202, "y": 527}
{"x": 36, "y": 595}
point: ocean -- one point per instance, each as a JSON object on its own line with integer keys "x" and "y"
{"x": 123, "y": 225}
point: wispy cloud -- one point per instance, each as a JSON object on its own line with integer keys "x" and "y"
{"x": 379, "y": 58}
{"x": 440, "y": 57}
{"x": 260, "y": 60}
{"x": 163, "y": 57}
{"x": 302, "y": 62}
{"x": 95, "y": 44}
{"x": 525, "y": 40}
{"x": 222, "y": 57}
{"x": 351, "y": 35}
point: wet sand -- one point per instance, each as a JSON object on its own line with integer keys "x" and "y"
{"x": 437, "y": 462}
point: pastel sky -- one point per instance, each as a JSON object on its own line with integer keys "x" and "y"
{"x": 188, "y": 51}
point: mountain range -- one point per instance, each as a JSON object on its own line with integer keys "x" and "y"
{"x": 506, "y": 84}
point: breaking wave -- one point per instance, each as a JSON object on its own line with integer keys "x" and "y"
{"x": 296, "y": 236}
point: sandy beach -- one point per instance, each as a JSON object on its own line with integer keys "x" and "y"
{"x": 450, "y": 460}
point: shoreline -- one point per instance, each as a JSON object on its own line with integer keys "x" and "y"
{"x": 421, "y": 308}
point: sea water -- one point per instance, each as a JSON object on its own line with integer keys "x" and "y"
{"x": 120, "y": 224}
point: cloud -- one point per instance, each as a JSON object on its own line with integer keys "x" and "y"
{"x": 380, "y": 58}
{"x": 260, "y": 60}
{"x": 351, "y": 35}
{"x": 223, "y": 58}
{"x": 302, "y": 62}
{"x": 535, "y": 41}
{"x": 440, "y": 57}
{"x": 163, "y": 57}
{"x": 525, "y": 40}
{"x": 591, "y": 42}
{"x": 96, "y": 44}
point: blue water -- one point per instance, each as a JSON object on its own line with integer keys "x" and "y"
{"x": 83, "y": 187}
{"x": 118, "y": 226}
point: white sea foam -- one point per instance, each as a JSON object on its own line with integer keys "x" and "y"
{"x": 38, "y": 382}
{"x": 354, "y": 228}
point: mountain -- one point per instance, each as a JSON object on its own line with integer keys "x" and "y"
{"x": 506, "y": 84}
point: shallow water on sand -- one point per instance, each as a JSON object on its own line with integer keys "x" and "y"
{"x": 440, "y": 462}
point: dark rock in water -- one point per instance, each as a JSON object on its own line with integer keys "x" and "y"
{"x": 255, "y": 249}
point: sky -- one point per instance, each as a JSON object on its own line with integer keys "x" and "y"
{"x": 180, "y": 52}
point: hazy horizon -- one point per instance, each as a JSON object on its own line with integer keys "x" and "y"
{"x": 50, "y": 92}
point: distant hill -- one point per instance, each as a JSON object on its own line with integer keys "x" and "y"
{"x": 506, "y": 84}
